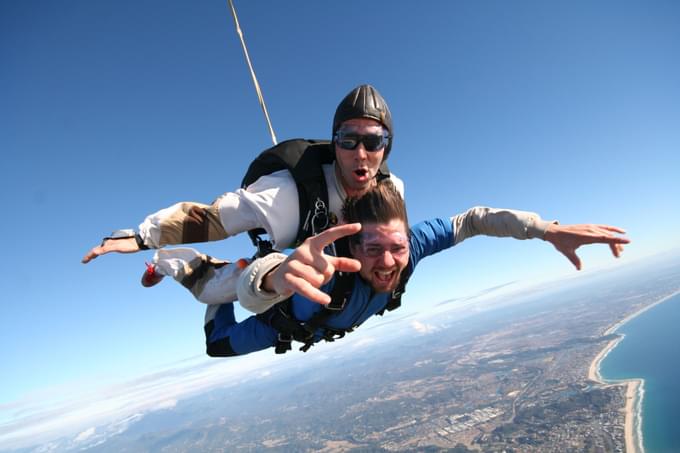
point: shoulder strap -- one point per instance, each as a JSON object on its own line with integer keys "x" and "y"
{"x": 312, "y": 190}
{"x": 304, "y": 160}
{"x": 287, "y": 155}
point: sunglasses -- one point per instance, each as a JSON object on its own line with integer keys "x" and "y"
{"x": 350, "y": 140}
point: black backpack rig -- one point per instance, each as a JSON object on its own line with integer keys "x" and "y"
{"x": 304, "y": 160}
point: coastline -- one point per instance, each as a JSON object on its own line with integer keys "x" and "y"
{"x": 634, "y": 387}
{"x": 633, "y": 420}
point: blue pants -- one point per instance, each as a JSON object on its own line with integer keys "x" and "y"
{"x": 226, "y": 338}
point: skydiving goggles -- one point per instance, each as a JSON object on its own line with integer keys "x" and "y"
{"x": 374, "y": 246}
{"x": 349, "y": 139}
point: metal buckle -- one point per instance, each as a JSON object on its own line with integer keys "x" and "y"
{"x": 319, "y": 219}
{"x": 309, "y": 333}
{"x": 264, "y": 247}
{"x": 339, "y": 307}
{"x": 284, "y": 338}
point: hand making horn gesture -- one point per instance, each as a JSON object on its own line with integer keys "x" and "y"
{"x": 308, "y": 268}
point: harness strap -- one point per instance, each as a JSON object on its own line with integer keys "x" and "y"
{"x": 281, "y": 318}
{"x": 304, "y": 159}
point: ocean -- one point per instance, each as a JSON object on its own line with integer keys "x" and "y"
{"x": 650, "y": 351}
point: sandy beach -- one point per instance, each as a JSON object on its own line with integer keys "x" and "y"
{"x": 634, "y": 387}
{"x": 633, "y": 445}
{"x": 594, "y": 370}
{"x": 633, "y": 438}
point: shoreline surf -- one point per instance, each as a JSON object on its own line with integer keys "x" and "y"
{"x": 634, "y": 387}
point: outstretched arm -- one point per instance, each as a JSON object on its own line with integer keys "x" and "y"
{"x": 181, "y": 223}
{"x": 482, "y": 220}
{"x": 568, "y": 238}
{"x": 529, "y": 225}
{"x": 271, "y": 203}
{"x": 124, "y": 245}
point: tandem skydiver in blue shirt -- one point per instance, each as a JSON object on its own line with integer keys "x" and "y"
{"x": 290, "y": 294}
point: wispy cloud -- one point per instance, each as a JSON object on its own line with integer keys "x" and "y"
{"x": 423, "y": 328}
{"x": 85, "y": 435}
{"x": 478, "y": 294}
{"x": 32, "y": 421}
{"x": 363, "y": 342}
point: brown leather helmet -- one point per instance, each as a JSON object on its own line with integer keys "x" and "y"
{"x": 364, "y": 101}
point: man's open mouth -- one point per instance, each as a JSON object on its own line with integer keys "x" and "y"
{"x": 384, "y": 276}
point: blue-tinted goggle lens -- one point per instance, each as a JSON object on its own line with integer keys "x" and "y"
{"x": 372, "y": 142}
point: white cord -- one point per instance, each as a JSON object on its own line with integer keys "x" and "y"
{"x": 252, "y": 72}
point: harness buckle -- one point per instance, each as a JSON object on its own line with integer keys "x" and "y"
{"x": 284, "y": 338}
{"x": 319, "y": 221}
{"x": 336, "y": 307}
{"x": 283, "y": 343}
{"x": 304, "y": 334}
{"x": 264, "y": 247}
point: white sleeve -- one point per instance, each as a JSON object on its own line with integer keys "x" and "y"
{"x": 271, "y": 203}
{"x": 249, "y": 290}
{"x": 498, "y": 222}
{"x": 182, "y": 223}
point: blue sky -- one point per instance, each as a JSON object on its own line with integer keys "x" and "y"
{"x": 110, "y": 111}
